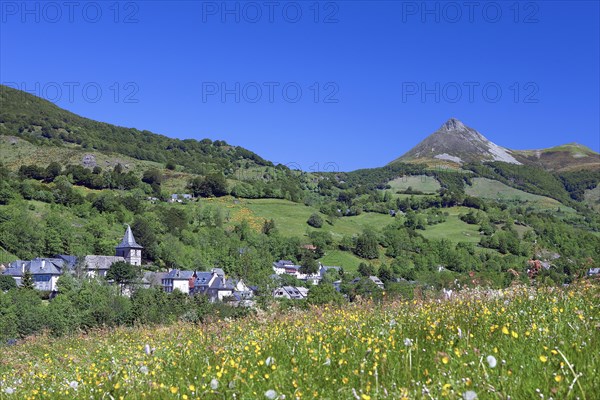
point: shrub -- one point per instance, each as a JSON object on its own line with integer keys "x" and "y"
{"x": 315, "y": 221}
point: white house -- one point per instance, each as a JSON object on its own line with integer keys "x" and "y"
{"x": 287, "y": 267}
{"x": 181, "y": 280}
{"x": 44, "y": 272}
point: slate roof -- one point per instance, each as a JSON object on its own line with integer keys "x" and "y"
{"x": 293, "y": 292}
{"x": 153, "y": 278}
{"x": 221, "y": 284}
{"x": 128, "y": 241}
{"x": 71, "y": 261}
{"x": 177, "y": 274}
{"x": 37, "y": 266}
{"x": 94, "y": 262}
{"x": 203, "y": 278}
{"x": 283, "y": 264}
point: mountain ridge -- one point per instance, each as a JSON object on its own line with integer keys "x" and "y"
{"x": 460, "y": 144}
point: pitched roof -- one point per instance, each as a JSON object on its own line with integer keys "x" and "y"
{"x": 128, "y": 241}
{"x": 179, "y": 275}
{"x": 221, "y": 284}
{"x": 203, "y": 278}
{"x": 100, "y": 262}
{"x": 218, "y": 271}
{"x": 153, "y": 278}
{"x": 37, "y": 266}
{"x": 71, "y": 261}
{"x": 282, "y": 263}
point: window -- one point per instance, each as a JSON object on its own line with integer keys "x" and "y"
{"x": 41, "y": 278}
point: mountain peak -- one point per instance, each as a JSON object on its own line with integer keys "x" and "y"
{"x": 453, "y": 125}
{"x": 456, "y": 142}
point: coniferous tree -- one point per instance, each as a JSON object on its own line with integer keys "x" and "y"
{"x": 27, "y": 281}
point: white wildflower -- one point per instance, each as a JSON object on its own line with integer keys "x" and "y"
{"x": 144, "y": 370}
{"x": 469, "y": 395}
{"x": 74, "y": 385}
{"x": 491, "y": 360}
{"x": 327, "y": 362}
{"x": 214, "y": 384}
{"x": 269, "y": 361}
{"x": 147, "y": 349}
{"x": 9, "y": 390}
{"x": 408, "y": 342}
{"x": 271, "y": 394}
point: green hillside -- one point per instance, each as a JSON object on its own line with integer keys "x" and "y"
{"x": 68, "y": 185}
{"x": 493, "y": 190}
{"x": 41, "y": 122}
{"x": 423, "y": 183}
{"x": 566, "y": 157}
{"x": 454, "y": 229}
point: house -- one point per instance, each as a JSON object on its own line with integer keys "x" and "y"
{"x": 152, "y": 279}
{"x": 372, "y": 278}
{"x": 44, "y": 272}
{"x": 180, "y": 198}
{"x": 303, "y": 291}
{"x": 323, "y": 269}
{"x": 290, "y": 292}
{"x": 184, "y": 281}
{"x": 98, "y": 266}
{"x": 216, "y": 287}
{"x": 219, "y": 289}
{"x": 287, "y": 267}
{"x": 313, "y": 279}
{"x": 242, "y": 294}
{"x": 126, "y": 251}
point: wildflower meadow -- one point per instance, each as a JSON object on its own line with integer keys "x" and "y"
{"x": 519, "y": 343}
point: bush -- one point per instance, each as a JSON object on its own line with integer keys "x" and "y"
{"x": 8, "y": 318}
{"x": 7, "y": 282}
{"x": 324, "y": 293}
{"x": 315, "y": 221}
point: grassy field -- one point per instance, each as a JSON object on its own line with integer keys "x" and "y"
{"x": 424, "y": 183}
{"x": 491, "y": 189}
{"x": 519, "y": 343}
{"x": 341, "y": 258}
{"x": 453, "y": 229}
{"x": 290, "y": 218}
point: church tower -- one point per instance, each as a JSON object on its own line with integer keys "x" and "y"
{"x": 129, "y": 249}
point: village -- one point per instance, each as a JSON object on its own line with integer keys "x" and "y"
{"x": 214, "y": 284}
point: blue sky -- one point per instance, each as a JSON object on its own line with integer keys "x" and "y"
{"x": 316, "y": 85}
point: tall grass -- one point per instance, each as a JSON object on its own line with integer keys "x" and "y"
{"x": 520, "y": 343}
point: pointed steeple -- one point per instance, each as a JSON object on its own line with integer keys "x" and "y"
{"x": 128, "y": 241}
